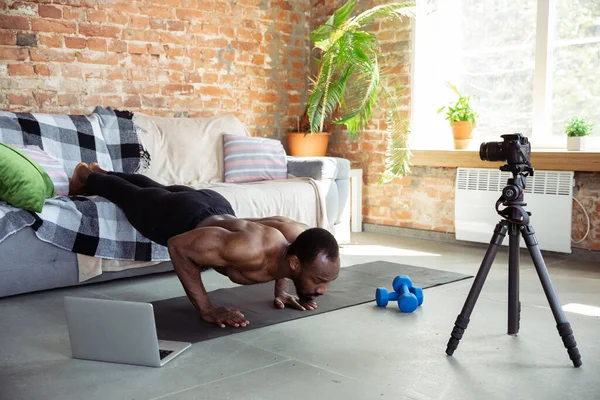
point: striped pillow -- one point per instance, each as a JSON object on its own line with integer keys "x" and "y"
{"x": 252, "y": 159}
{"x": 51, "y": 165}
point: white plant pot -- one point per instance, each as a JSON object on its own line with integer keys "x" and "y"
{"x": 576, "y": 143}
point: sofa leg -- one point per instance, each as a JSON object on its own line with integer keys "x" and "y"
{"x": 356, "y": 182}
{"x": 342, "y": 233}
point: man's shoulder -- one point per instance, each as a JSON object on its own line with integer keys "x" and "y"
{"x": 276, "y": 225}
{"x": 290, "y": 230}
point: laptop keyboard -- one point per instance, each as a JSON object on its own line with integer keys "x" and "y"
{"x": 164, "y": 353}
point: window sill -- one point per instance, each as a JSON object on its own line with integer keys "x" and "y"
{"x": 550, "y": 160}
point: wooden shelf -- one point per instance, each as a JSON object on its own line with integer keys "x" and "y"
{"x": 552, "y": 160}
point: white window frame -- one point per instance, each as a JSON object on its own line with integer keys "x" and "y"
{"x": 542, "y": 91}
{"x": 541, "y": 135}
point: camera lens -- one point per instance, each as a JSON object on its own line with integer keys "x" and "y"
{"x": 492, "y": 151}
{"x": 483, "y": 152}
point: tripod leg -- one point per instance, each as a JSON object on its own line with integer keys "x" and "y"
{"x": 463, "y": 318}
{"x": 563, "y": 326}
{"x": 514, "y": 305}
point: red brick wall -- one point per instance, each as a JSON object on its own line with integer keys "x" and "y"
{"x": 168, "y": 57}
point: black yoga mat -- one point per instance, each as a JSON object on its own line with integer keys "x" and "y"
{"x": 177, "y": 319}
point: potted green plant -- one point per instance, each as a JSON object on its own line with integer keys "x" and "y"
{"x": 577, "y": 129}
{"x": 349, "y": 81}
{"x": 462, "y": 119}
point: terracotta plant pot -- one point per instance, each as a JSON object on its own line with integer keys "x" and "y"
{"x": 306, "y": 145}
{"x": 463, "y": 134}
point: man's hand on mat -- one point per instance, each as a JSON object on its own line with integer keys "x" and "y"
{"x": 286, "y": 299}
{"x": 225, "y": 316}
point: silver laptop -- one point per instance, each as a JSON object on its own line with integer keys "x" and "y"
{"x": 117, "y": 331}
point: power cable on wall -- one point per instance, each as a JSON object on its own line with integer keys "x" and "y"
{"x": 588, "y": 223}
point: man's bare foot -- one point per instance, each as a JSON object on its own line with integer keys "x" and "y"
{"x": 95, "y": 167}
{"x": 78, "y": 182}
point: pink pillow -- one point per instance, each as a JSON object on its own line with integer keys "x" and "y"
{"x": 252, "y": 159}
{"x": 51, "y": 165}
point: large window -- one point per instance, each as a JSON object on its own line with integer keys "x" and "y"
{"x": 530, "y": 66}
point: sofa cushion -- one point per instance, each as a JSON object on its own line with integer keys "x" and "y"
{"x": 51, "y": 165}
{"x": 299, "y": 199}
{"x": 319, "y": 168}
{"x": 186, "y": 151}
{"x": 23, "y": 182}
{"x": 332, "y": 174}
{"x": 252, "y": 159}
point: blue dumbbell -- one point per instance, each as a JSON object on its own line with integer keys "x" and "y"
{"x": 382, "y": 296}
{"x": 408, "y": 301}
{"x": 418, "y": 292}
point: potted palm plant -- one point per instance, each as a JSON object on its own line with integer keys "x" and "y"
{"x": 462, "y": 119}
{"x": 349, "y": 81}
{"x": 577, "y": 129}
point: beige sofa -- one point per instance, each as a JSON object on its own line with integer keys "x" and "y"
{"x": 189, "y": 151}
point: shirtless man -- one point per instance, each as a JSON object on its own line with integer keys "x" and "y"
{"x": 201, "y": 231}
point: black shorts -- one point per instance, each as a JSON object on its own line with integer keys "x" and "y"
{"x": 184, "y": 211}
{"x": 158, "y": 212}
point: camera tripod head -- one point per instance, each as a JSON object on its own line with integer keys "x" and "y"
{"x": 512, "y": 197}
{"x": 515, "y": 149}
{"x": 524, "y": 169}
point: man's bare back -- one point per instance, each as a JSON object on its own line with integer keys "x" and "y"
{"x": 271, "y": 235}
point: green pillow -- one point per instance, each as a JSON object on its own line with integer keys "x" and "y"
{"x": 23, "y": 182}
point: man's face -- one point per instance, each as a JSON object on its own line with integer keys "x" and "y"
{"x": 313, "y": 278}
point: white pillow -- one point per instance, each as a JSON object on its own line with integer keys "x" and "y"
{"x": 186, "y": 151}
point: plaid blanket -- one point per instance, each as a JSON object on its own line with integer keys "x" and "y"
{"x": 96, "y": 227}
{"x": 13, "y": 219}
{"x": 87, "y": 225}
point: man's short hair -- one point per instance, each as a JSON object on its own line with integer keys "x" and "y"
{"x": 312, "y": 242}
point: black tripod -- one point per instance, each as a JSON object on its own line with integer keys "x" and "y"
{"x": 515, "y": 221}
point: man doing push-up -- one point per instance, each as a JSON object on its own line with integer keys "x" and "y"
{"x": 201, "y": 231}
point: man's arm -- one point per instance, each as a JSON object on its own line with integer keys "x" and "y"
{"x": 290, "y": 229}
{"x": 283, "y": 298}
{"x": 191, "y": 278}
{"x": 281, "y": 286}
{"x": 217, "y": 247}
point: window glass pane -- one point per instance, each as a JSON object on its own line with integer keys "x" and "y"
{"x": 576, "y": 19}
{"x": 576, "y": 63}
{"x": 503, "y": 81}
{"x": 484, "y": 47}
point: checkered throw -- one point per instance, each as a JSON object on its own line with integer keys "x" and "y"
{"x": 13, "y": 219}
{"x": 87, "y": 225}
{"x": 94, "y": 226}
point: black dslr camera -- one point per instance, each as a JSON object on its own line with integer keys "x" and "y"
{"x": 515, "y": 150}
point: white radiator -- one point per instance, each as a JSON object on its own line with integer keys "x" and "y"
{"x": 548, "y": 195}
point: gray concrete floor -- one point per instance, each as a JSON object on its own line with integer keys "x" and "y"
{"x": 361, "y": 352}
